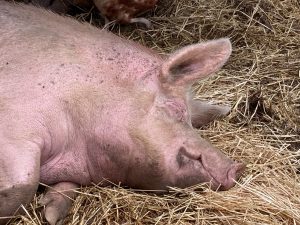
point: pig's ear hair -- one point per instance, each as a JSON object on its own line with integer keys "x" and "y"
{"x": 195, "y": 62}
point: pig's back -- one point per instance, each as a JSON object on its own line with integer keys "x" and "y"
{"x": 37, "y": 44}
{"x": 41, "y": 52}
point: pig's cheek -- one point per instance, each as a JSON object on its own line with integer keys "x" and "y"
{"x": 196, "y": 166}
{"x": 191, "y": 167}
{"x": 191, "y": 174}
{"x": 198, "y": 170}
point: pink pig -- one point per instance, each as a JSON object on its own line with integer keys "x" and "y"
{"x": 79, "y": 105}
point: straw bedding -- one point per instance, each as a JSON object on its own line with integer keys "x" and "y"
{"x": 262, "y": 83}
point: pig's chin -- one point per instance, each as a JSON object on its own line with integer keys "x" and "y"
{"x": 214, "y": 183}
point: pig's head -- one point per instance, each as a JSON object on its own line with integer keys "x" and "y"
{"x": 168, "y": 151}
{"x": 171, "y": 153}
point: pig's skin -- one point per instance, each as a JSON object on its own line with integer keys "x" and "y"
{"x": 78, "y": 104}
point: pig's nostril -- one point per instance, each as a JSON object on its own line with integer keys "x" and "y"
{"x": 233, "y": 175}
{"x": 239, "y": 168}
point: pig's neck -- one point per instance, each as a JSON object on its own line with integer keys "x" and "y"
{"x": 90, "y": 143}
{"x": 109, "y": 154}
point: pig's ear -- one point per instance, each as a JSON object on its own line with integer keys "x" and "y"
{"x": 195, "y": 62}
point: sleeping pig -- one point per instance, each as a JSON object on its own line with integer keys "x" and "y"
{"x": 79, "y": 105}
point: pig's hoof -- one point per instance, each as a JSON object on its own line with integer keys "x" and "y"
{"x": 56, "y": 206}
{"x": 57, "y": 202}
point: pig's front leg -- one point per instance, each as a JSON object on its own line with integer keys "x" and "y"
{"x": 203, "y": 112}
{"x": 58, "y": 201}
{"x": 19, "y": 176}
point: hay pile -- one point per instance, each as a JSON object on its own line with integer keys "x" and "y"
{"x": 261, "y": 81}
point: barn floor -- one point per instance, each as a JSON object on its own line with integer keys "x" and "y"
{"x": 261, "y": 82}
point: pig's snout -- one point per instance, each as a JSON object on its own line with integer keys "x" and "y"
{"x": 211, "y": 166}
{"x": 221, "y": 171}
{"x": 233, "y": 174}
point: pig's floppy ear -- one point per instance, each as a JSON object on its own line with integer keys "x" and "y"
{"x": 194, "y": 62}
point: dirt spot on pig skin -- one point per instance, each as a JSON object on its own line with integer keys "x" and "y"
{"x": 40, "y": 84}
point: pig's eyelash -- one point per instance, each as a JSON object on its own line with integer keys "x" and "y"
{"x": 200, "y": 159}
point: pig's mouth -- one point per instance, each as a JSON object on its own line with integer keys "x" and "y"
{"x": 226, "y": 180}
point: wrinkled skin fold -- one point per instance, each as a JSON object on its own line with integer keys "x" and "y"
{"x": 79, "y": 105}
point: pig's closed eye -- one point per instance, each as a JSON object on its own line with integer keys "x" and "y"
{"x": 200, "y": 159}
{"x": 182, "y": 158}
